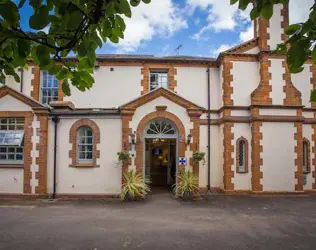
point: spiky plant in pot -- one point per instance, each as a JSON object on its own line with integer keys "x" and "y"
{"x": 188, "y": 185}
{"x": 134, "y": 186}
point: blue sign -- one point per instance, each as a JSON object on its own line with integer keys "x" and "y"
{"x": 182, "y": 161}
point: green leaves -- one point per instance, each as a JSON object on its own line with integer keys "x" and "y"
{"x": 291, "y": 29}
{"x": 43, "y": 55}
{"x": 40, "y": 18}
{"x": 9, "y": 12}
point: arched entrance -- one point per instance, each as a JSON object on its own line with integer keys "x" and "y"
{"x": 160, "y": 141}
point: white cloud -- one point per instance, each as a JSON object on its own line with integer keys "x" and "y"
{"x": 221, "y": 15}
{"x": 221, "y": 48}
{"x": 247, "y": 35}
{"x": 159, "y": 18}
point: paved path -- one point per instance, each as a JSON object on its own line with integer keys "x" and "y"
{"x": 220, "y": 222}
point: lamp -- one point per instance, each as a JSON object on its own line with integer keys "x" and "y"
{"x": 189, "y": 139}
{"x": 132, "y": 138}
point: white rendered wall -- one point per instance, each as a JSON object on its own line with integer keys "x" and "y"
{"x": 255, "y": 50}
{"x": 278, "y": 112}
{"x": 103, "y": 180}
{"x": 242, "y": 181}
{"x": 278, "y": 156}
{"x": 111, "y": 88}
{"x": 216, "y": 169}
{"x": 275, "y": 30}
{"x": 245, "y": 80}
{"x": 27, "y": 77}
{"x": 11, "y": 180}
{"x": 192, "y": 84}
{"x": 308, "y": 133}
{"x": 302, "y": 81}
{"x": 9, "y": 103}
{"x": 221, "y": 82}
{"x": 277, "y": 82}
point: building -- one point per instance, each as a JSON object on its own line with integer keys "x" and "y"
{"x": 261, "y": 138}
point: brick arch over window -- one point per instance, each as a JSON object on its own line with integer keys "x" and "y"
{"x": 246, "y": 155}
{"x": 142, "y": 125}
{"x": 73, "y": 140}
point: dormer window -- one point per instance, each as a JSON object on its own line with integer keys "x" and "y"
{"x": 158, "y": 78}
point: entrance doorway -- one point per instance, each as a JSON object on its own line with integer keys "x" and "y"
{"x": 160, "y": 139}
{"x": 161, "y": 162}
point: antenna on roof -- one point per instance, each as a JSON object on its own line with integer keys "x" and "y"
{"x": 178, "y": 49}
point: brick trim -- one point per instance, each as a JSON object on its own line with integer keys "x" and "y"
{"x": 264, "y": 35}
{"x": 195, "y": 144}
{"x": 145, "y": 71}
{"x": 244, "y": 47}
{"x": 73, "y": 140}
{"x": 261, "y": 95}
{"x": 256, "y": 150}
{"x": 285, "y": 22}
{"x": 157, "y": 93}
{"x": 246, "y": 155}
{"x": 298, "y": 149}
{"x": 227, "y": 78}
{"x": 292, "y": 94}
{"x": 227, "y": 155}
{"x": 126, "y": 147}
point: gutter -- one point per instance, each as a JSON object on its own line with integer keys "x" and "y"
{"x": 55, "y": 119}
{"x": 208, "y": 130}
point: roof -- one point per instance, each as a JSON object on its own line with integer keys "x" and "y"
{"x": 152, "y": 58}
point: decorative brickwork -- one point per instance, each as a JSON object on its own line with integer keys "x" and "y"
{"x": 261, "y": 95}
{"x": 245, "y": 155}
{"x": 227, "y": 81}
{"x": 35, "y": 83}
{"x": 298, "y": 137}
{"x": 285, "y": 22}
{"x": 195, "y": 144}
{"x": 227, "y": 155}
{"x": 126, "y": 132}
{"x": 73, "y": 140}
{"x": 244, "y": 47}
{"x": 145, "y": 71}
{"x": 292, "y": 95}
{"x": 41, "y": 160}
{"x": 264, "y": 35}
{"x": 256, "y": 150}
{"x": 313, "y": 80}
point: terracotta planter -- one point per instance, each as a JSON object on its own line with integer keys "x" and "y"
{"x": 187, "y": 196}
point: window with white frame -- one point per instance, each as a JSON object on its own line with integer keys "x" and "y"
{"x": 11, "y": 140}
{"x": 49, "y": 88}
{"x": 158, "y": 78}
{"x": 84, "y": 145}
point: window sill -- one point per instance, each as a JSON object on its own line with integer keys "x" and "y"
{"x": 11, "y": 165}
{"x": 84, "y": 165}
{"x": 242, "y": 172}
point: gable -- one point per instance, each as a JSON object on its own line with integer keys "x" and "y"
{"x": 161, "y": 92}
{"x": 17, "y": 99}
{"x": 250, "y": 47}
{"x": 9, "y": 103}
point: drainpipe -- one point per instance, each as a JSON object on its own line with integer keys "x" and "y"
{"x": 21, "y": 79}
{"x": 208, "y": 130}
{"x": 55, "y": 120}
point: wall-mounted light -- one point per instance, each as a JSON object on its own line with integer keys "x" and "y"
{"x": 132, "y": 138}
{"x": 189, "y": 139}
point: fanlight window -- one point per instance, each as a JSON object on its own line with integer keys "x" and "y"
{"x": 161, "y": 127}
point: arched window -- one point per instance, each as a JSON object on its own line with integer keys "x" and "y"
{"x": 84, "y": 145}
{"x": 242, "y": 155}
{"x": 306, "y": 156}
{"x": 161, "y": 127}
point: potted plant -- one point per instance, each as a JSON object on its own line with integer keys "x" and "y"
{"x": 198, "y": 156}
{"x": 123, "y": 156}
{"x": 188, "y": 185}
{"x": 134, "y": 186}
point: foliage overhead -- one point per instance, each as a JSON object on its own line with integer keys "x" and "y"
{"x": 300, "y": 45}
{"x": 59, "y": 28}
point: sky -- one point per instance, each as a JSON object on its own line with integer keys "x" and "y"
{"x": 200, "y": 27}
